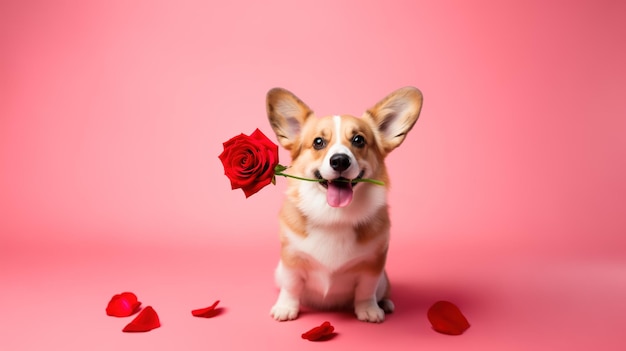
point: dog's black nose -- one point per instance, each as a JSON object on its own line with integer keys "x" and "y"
{"x": 340, "y": 162}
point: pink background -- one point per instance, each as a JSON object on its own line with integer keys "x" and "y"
{"x": 508, "y": 197}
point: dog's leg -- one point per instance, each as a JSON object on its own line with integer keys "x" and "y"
{"x": 382, "y": 295}
{"x": 287, "y": 305}
{"x": 365, "y": 301}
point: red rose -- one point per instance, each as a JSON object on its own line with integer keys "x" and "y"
{"x": 249, "y": 161}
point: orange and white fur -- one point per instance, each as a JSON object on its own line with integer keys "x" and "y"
{"x": 335, "y": 234}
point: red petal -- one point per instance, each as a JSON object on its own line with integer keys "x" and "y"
{"x": 446, "y": 318}
{"x": 323, "y": 332}
{"x": 145, "y": 321}
{"x": 123, "y": 305}
{"x": 206, "y": 312}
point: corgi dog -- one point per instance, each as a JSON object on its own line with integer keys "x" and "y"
{"x": 334, "y": 233}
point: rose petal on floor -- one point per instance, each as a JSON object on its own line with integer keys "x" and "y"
{"x": 145, "y": 321}
{"x": 123, "y": 305}
{"x": 206, "y": 312}
{"x": 323, "y": 332}
{"x": 447, "y": 318}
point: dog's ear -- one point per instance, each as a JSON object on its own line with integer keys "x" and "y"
{"x": 286, "y": 113}
{"x": 395, "y": 115}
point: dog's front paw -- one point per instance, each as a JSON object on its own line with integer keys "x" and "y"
{"x": 281, "y": 312}
{"x": 369, "y": 312}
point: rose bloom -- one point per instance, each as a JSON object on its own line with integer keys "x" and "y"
{"x": 249, "y": 161}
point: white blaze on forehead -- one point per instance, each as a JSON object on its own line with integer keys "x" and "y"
{"x": 338, "y": 148}
{"x": 337, "y": 121}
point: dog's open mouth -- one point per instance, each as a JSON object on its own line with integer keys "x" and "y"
{"x": 339, "y": 190}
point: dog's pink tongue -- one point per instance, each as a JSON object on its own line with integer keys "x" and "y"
{"x": 339, "y": 195}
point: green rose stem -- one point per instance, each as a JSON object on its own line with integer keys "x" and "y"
{"x": 278, "y": 170}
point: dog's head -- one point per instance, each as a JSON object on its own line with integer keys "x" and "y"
{"x": 340, "y": 149}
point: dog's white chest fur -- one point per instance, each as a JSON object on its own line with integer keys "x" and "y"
{"x": 333, "y": 248}
{"x": 330, "y": 253}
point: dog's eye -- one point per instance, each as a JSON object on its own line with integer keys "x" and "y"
{"x": 319, "y": 143}
{"x": 358, "y": 141}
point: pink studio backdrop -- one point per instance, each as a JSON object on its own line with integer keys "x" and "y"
{"x": 507, "y": 197}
